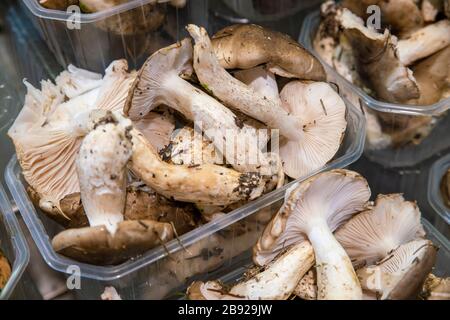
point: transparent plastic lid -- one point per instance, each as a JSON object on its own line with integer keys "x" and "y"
{"x": 437, "y": 173}
{"x": 12, "y": 244}
{"x": 351, "y": 149}
{"x": 42, "y": 12}
{"x": 308, "y": 32}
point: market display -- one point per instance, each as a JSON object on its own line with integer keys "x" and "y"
{"x": 94, "y": 170}
{"x": 407, "y": 63}
{"x": 177, "y": 150}
{"x": 328, "y": 241}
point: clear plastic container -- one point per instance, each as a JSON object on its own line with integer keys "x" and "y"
{"x": 219, "y": 246}
{"x": 131, "y": 30}
{"x": 437, "y": 173}
{"x": 407, "y": 156}
{"x": 13, "y": 245}
{"x": 441, "y": 268}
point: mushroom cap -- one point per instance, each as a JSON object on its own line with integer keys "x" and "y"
{"x": 97, "y": 246}
{"x": 5, "y": 271}
{"x": 322, "y": 113}
{"x": 149, "y": 89}
{"x": 70, "y": 215}
{"x": 48, "y": 132}
{"x": 401, "y": 274}
{"x": 371, "y": 235}
{"x": 247, "y": 46}
{"x": 334, "y": 195}
{"x": 377, "y": 60}
{"x": 156, "y": 128}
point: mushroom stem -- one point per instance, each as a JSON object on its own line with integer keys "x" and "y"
{"x": 236, "y": 94}
{"x": 424, "y": 42}
{"x": 205, "y": 184}
{"x": 279, "y": 280}
{"x": 101, "y": 167}
{"x": 337, "y": 279}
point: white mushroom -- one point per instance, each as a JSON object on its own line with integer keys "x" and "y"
{"x": 372, "y": 235}
{"x": 239, "y": 96}
{"x": 323, "y": 116}
{"x": 424, "y": 42}
{"x": 315, "y": 208}
{"x": 160, "y": 82}
{"x": 48, "y": 132}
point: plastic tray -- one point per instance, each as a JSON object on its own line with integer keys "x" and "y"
{"x": 441, "y": 268}
{"x": 12, "y": 244}
{"x": 408, "y": 156}
{"x": 100, "y": 38}
{"x": 217, "y": 246}
{"x": 437, "y": 173}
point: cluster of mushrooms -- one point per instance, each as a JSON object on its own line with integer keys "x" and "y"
{"x": 144, "y": 18}
{"x": 5, "y": 271}
{"x": 112, "y": 158}
{"x": 405, "y": 63}
{"x": 329, "y": 242}
{"x": 445, "y": 188}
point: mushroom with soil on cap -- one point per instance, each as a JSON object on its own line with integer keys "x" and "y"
{"x": 160, "y": 81}
{"x": 313, "y": 210}
{"x": 49, "y": 130}
{"x": 371, "y": 235}
{"x": 401, "y": 274}
{"x": 102, "y": 171}
{"x": 247, "y": 100}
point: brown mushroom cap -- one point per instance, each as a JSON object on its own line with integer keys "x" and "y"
{"x": 96, "y": 245}
{"x": 247, "y": 46}
{"x": 5, "y": 271}
{"x": 401, "y": 274}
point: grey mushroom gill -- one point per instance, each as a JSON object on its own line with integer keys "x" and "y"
{"x": 297, "y": 122}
